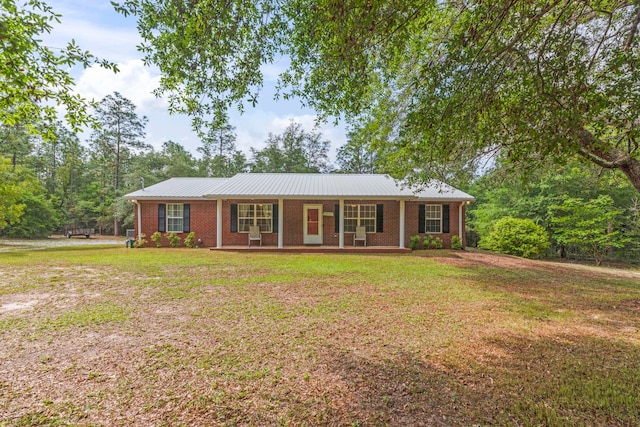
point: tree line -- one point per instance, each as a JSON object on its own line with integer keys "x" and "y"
{"x": 50, "y": 183}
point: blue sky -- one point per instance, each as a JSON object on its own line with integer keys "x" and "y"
{"x": 96, "y": 27}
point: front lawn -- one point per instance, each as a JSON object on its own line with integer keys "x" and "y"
{"x": 115, "y": 336}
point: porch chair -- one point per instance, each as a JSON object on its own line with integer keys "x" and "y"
{"x": 254, "y": 234}
{"x": 361, "y": 234}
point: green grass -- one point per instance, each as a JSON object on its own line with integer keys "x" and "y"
{"x": 194, "y": 337}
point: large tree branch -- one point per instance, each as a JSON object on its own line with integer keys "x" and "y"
{"x": 633, "y": 31}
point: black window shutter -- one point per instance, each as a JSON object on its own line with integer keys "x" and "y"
{"x": 336, "y": 216}
{"x": 445, "y": 218}
{"x": 274, "y": 227}
{"x": 234, "y": 218}
{"x": 379, "y": 218}
{"x": 161, "y": 217}
{"x": 186, "y": 218}
{"x": 421, "y": 219}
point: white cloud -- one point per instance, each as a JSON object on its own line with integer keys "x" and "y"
{"x": 134, "y": 82}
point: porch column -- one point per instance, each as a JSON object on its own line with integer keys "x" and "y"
{"x": 341, "y": 225}
{"x": 402, "y": 224}
{"x": 460, "y": 208}
{"x": 139, "y": 222}
{"x": 219, "y": 223}
{"x": 280, "y": 223}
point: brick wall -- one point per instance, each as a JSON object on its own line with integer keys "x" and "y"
{"x": 411, "y": 222}
{"x": 203, "y": 223}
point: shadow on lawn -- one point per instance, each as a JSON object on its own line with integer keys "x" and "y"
{"x": 552, "y": 381}
{"x": 402, "y": 391}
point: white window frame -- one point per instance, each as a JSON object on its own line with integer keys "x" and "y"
{"x": 172, "y": 215}
{"x": 254, "y": 219}
{"x": 427, "y": 218}
{"x": 359, "y": 218}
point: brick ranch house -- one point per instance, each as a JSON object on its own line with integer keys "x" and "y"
{"x": 299, "y": 210}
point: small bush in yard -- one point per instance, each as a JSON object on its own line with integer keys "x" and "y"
{"x": 515, "y": 236}
{"x": 456, "y": 243}
{"x": 157, "y": 239}
{"x": 414, "y": 242}
{"x": 431, "y": 242}
{"x": 189, "y": 241}
{"x": 141, "y": 241}
{"x": 174, "y": 239}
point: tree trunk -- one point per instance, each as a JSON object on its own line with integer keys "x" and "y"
{"x": 632, "y": 171}
{"x": 610, "y": 157}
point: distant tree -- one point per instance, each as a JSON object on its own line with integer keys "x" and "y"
{"x": 15, "y": 143}
{"x": 591, "y": 225}
{"x": 220, "y": 157}
{"x": 11, "y": 191}
{"x": 35, "y": 78}
{"x": 121, "y": 133}
{"x": 295, "y": 151}
{"x": 357, "y": 155}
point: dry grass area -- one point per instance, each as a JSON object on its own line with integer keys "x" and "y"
{"x": 166, "y": 337}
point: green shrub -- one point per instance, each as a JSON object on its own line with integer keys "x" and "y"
{"x": 174, "y": 239}
{"x": 414, "y": 242}
{"x": 157, "y": 239}
{"x": 456, "y": 243}
{"x": 515, "y": 236}
{"x": 141, "y": 241}
{"x": 189, "y": 241}
{"x": 431, "y": 242}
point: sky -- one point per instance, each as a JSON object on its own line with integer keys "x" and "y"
{"x": 98, "y": 28}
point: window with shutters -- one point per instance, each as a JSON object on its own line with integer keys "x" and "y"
{"x": 359, "y": 215}
{"x": 433, "y": 218}
{"x": 255, "y": 214}
{"x": 175, "y": 217}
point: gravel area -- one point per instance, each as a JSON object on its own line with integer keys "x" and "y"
{"x": 7, "y": 245}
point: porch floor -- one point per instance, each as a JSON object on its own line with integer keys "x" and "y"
{"x": 316, "y": 249}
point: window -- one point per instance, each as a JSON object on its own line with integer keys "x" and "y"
{"x": 359, "y": 216}
{"x": 175, "y": 215}
{"x": 255, "y": 214}
{"x": 433, "y": 218}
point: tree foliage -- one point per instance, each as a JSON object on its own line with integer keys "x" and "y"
{"x": 294, "y": 151}
{"x": 35, "y": 78}
{"x": 592, "y": 225}
{"x": 445, "y": 81}
{"x": 121, "y": 133}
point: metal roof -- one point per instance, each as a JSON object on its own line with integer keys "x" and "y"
{"x": 178, "y": 188}
{"x": 291, "y": 186}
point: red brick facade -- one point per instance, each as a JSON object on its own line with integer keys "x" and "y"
{"x": 203, "y": 222}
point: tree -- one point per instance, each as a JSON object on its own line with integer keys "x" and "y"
{"x": 16, "y": 143}
{"x": 11, "y": 190}
{"x": 591, "y": 225}
{"x": 34, "y": 78}
{"x": 445, "y": 80}
{"x": 220, "y": 158}
{"x": 295, "y": 151}
{"x": 357, "y": 156}
{"x": 121, "y": 132}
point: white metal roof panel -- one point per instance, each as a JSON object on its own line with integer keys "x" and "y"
{"x": 282, "y": 185}
{"x": 309, "y": 185}
{"x": 179, "y": 188}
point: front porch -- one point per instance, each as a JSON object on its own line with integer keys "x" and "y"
{"x": 317, "y": 249}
